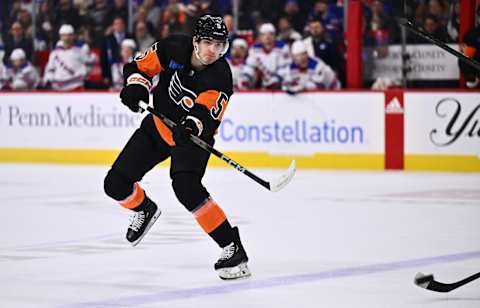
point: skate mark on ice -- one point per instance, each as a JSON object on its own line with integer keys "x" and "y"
{"x": 280, "y": 281}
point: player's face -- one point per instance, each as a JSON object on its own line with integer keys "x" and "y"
{"x": 210, "y": 50}
{"x": 267, "y": 38}
{"x": 67, "y": 39}
{"x": 301, "y": 59}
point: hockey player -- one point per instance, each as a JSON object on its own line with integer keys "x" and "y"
{"x": 471, "y": 49}
{"x": 127, "y": 52}
{"x": 265, "y": 59}
{"x": 307, "y": 73}
{"x": 21, "y": 74}
{"x": 194, "y": 87}
{"x": 69, "y": 63}
{"x": 236, "y": 59}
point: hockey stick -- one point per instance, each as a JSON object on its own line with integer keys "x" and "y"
{"x": 281, "y": 182}
{"x": 418, "y": 31}
{"x": 429, "y": 283}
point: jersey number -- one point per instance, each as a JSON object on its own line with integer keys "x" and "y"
{"x": 219, "y": 108}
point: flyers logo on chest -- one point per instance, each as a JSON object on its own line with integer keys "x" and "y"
{"x": 180, "y": 94}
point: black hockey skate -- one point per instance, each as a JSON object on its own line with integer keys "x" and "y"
{"x": 142, "y": 221}
{"x": 233, "y": 261}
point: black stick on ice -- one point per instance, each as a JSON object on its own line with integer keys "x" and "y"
{"x": 281, "y": 182}
{"x": 429, "y": 283}
{"x": 418, "y": 31}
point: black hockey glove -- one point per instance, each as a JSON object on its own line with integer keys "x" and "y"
{"x": 188, "y": 126}
{"x": 132, "y": 94}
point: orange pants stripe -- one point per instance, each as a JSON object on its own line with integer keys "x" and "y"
{"x": 209, "y": 216}
{"x": 135, "y": 199}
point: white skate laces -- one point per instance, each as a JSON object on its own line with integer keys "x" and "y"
{"x": 137, "y": 221}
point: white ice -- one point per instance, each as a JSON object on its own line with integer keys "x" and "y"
{"x": 329, "y": 239}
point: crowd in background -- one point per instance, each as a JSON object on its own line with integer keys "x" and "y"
{"x": 282, "y": 44}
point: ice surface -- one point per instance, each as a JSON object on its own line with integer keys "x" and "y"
{"x": 329, "y": 239}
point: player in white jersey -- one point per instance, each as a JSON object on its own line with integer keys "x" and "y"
{"x": 265, "y": 59}
{"x": 236, "y": 59}
{"x": 127, "y": 53}
{"x": 21, "y": 75}
{"x": 307, "y": 73}
{"x": 69, "y": 63}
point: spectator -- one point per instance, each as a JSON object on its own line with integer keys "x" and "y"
{"x": 331, "y": 21}
{"x": 438, "y": 9}
{"x": 306, "y": 73}
{"x": 153, "y": 11}
{"x": 174, "y": 15}
{"x": 21, "y": 75}
{"x": 236, "y": 59}
{"x": 45, "y": 24}
{"x": 285, "y": 31}
{"x": 69, "y": 63}
{"x": 128, "y": 47}
{"x": 25, "y": 19}
{"x": 15, "y": 40}
{"x": 97, "y": 20}
{"x": 319, "y": 45}
{"x": 454, "y": 21}
{"x": 264, "y": 61}
{"x": 66, "y": 14}
{"x": 119, "y": 9}
{"x": 291, "y": 11}
{"x": 471, "y": 49}
{"x": 3, "y": 76}
{"x": 435, "y": 29}
{"x": 141, "y": 16}
{"x": 143, "y": 38}
{"x": 110, "y": 52}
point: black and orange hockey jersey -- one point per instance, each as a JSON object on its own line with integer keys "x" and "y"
{"x": 181, "y": 90}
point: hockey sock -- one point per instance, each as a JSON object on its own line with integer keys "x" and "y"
{"x": 136, "y": 199}
{"x": 213, "y": 221}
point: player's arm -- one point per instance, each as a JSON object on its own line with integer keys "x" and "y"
{"x": 138, "y": 76}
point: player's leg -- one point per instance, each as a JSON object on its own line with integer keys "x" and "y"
{"x": 143, "y": 151}
{"x": 187, "y": 169}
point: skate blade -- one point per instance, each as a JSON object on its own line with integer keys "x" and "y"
{"x": 150, "y": 224}
{"x": 240, "y": 271}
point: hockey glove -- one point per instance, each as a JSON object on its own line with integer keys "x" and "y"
{"x": 137, "y": 88}
{"x": 188, "y": 126}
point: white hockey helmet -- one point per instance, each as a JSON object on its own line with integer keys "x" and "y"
{"x": 18, "y": 54}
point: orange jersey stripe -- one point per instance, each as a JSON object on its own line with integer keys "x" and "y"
{"x": 209, "y": 216}
{"x": 149, "y": 63}
{"x": 135, "y": 199}
{"x": 164, "y": 131}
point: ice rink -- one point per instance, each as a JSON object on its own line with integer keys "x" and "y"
{"x": 329, "y": 239}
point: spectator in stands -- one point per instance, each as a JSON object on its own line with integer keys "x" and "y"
{"x": 46, "y": 33}
{"x": 330, "y": 20}
{"x": 21, "y": 74}
{"x": 175, "y": 16}
{"x": 291, "y": 11}
{"x": 285, "y": 31}
{"x": 3, "y": 77}
{"x": 265, "y": 59}
{"x": 97, "y": 20}
{"x": 142, "y": 36}
{"x": 381, "y": 23}
{"x": 110, "y": 52}
{"x": 69, "y": 63}
{"x": 435, "y": 29}
{"x": 236, "y": 59}
{"x": 15, "y": 40}
{"x": 319, "y": 45}
{"x": 25, "y": 19}
{"x": 306, "y": 73}
{"x": 66, "y": 14}
{"x": 453, "y": 25}
{"x": 438, "y": 8}
{"x": 153, "y": 11}
{"x": 128, "y": 48}
{"x": 141, "y": 17}
{"x": 120, "y": 9}
{"x": 471, "y": 49}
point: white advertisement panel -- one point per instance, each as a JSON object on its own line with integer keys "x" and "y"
{"x": 66, "y": 121}
{"x": 307, "y": 123}
{"x": 273, "y": 123}
{"x": 442, "y": 123}
{"x": 427, "y": 62}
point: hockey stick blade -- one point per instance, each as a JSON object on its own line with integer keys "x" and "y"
{"x": 284, "y": 179}
{"x": 428, "y": 282}
{"x": 272, "y": 186}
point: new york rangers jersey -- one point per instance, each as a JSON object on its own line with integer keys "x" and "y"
{"x": 22, "y": 78}
{"x": 67, "y": 68}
